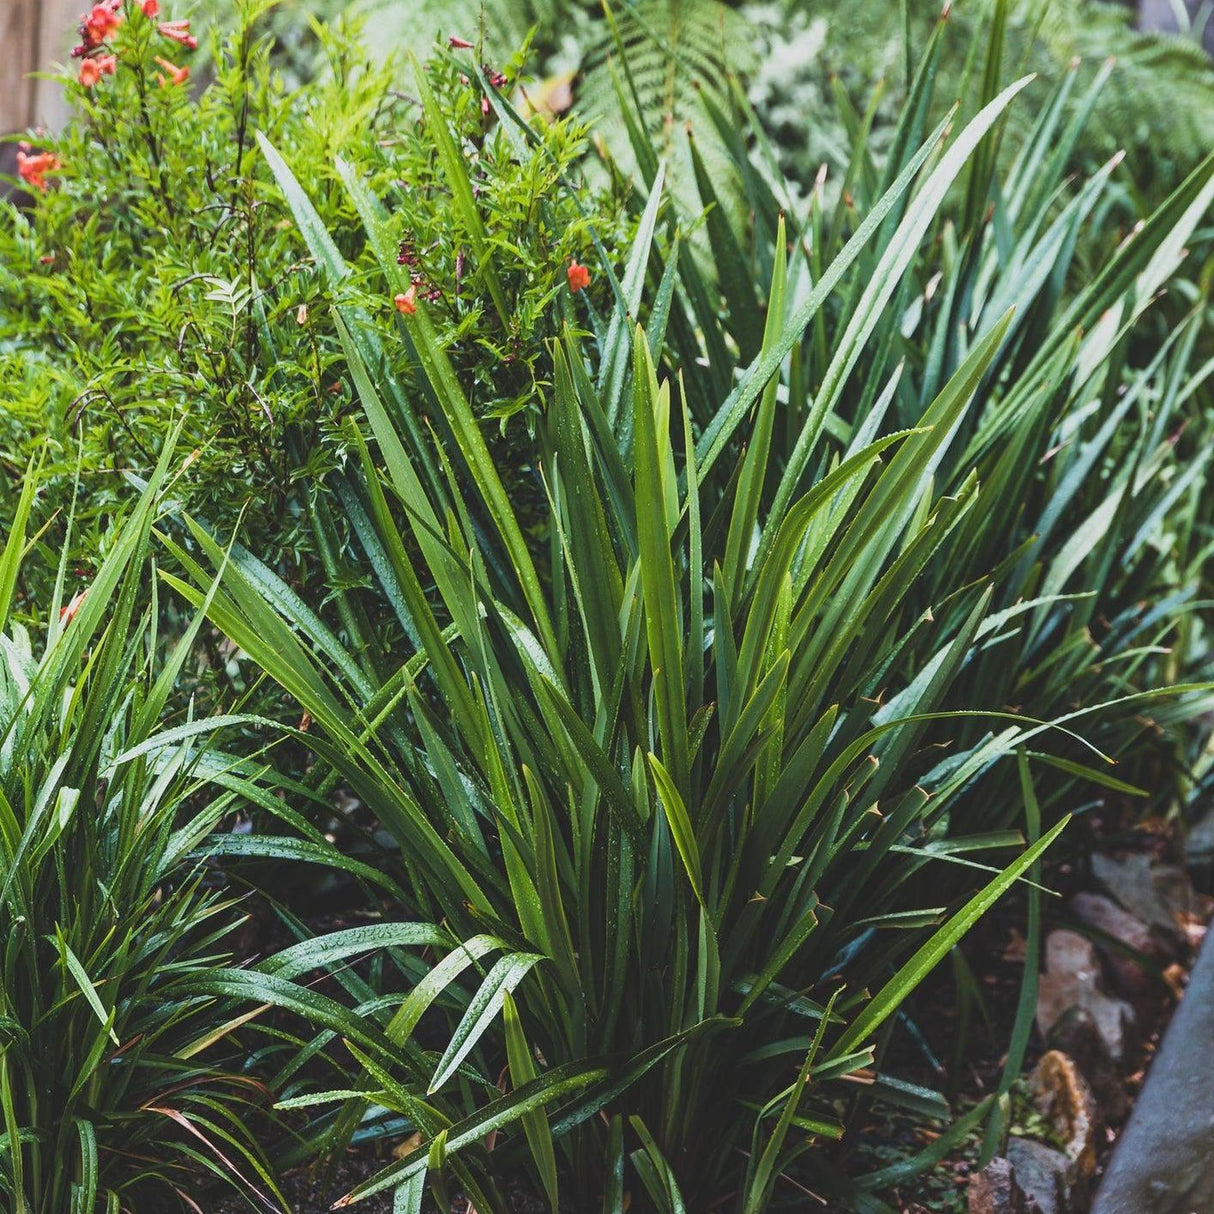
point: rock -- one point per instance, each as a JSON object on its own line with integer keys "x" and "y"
{"x": 1105, "y": 915}
{"x": 1072, "y": 979}
{"x": 1132, "y": 883}
{"x": 1101, "y": 913}
{"x": 1199, "y": 851}
{"x": 1175, "y": 890}
{"x": 995, "y": 1190}
{"x": 1161, "y": 1164}
{"x": 1043, "y": 1173}
{"x": 1075, "y": 1034}
{"x": 1065, "y": 1101}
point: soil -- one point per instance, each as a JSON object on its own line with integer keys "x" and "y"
{"x": 310, "y": 1192}
{"x": 314, "y": 1190}
{"x": 958, "y": 1049}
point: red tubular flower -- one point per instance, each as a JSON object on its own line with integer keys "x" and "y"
{"x": 406, "y": 302}
{"x": 97, "y": 25}
{"x": 151, "y": 8}
{"x": 68, "y": 613}
{"x": 459, "y": 44}
{"x": 33, "y": 168}
{"x": 579, "y": 277}
{"x": 96, "y": 66}
{"x": 179, "y": 31}
{"x": 101, "y": 21}
{"x": 176, "y": 75}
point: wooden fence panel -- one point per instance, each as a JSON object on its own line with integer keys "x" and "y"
{"x": 34, "y": 34}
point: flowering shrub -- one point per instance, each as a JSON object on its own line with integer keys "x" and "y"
{"x": 156, "y": 279}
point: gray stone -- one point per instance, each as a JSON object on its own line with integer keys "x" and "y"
{"x": 1199, "y": 851}
{"x": 1072, "y": 978}
{"x": 1161, "y": 16}
{"x": 1131, "y": 883}
{"x": 1101, "y": 913}
{"x": 1162, "y": 1161}
{"x": 1175, "y": 890}
{"x": 1043, "y": 1174}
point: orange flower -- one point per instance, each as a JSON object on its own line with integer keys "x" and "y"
{"x": 33, "y": 168}
{"x": 68, "y": 613}
{"x": 93, "y": 68}
{"x": 101, "y": 21}
{"x": 96, "y": 26}
{"x": 151, "y": 8}
{"x": 579, "y": 277}
{"x": 179, "y": 31}
{"x": 176, "y": 75}
{"x": 406, "y": 302}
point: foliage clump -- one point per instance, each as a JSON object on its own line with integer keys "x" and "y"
{"x": 121, "y": 1085}
{"x": 155, "y": 280}
{"x": 662, "y": 628}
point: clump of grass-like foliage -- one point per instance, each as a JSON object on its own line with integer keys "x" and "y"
{"x": 690, "y": 788}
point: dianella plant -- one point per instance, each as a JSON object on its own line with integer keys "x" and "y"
{"x": 687, "y": 791}
{"x": 1088, "y": 440}
{"x": 117, "y": 1085}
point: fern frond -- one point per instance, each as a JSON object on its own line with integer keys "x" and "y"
{"x": 394, "y": 27}
{"x": 1160, "y": 98}
{"x": 1158, "y": 104}
{"x": 662, "y": 59}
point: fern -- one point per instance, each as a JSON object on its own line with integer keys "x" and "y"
{"x": 1158, "y": 104}
{"x": 672, "y": 52}
{"x": 500, "y": 26}
{"x": 663, "y": 59}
